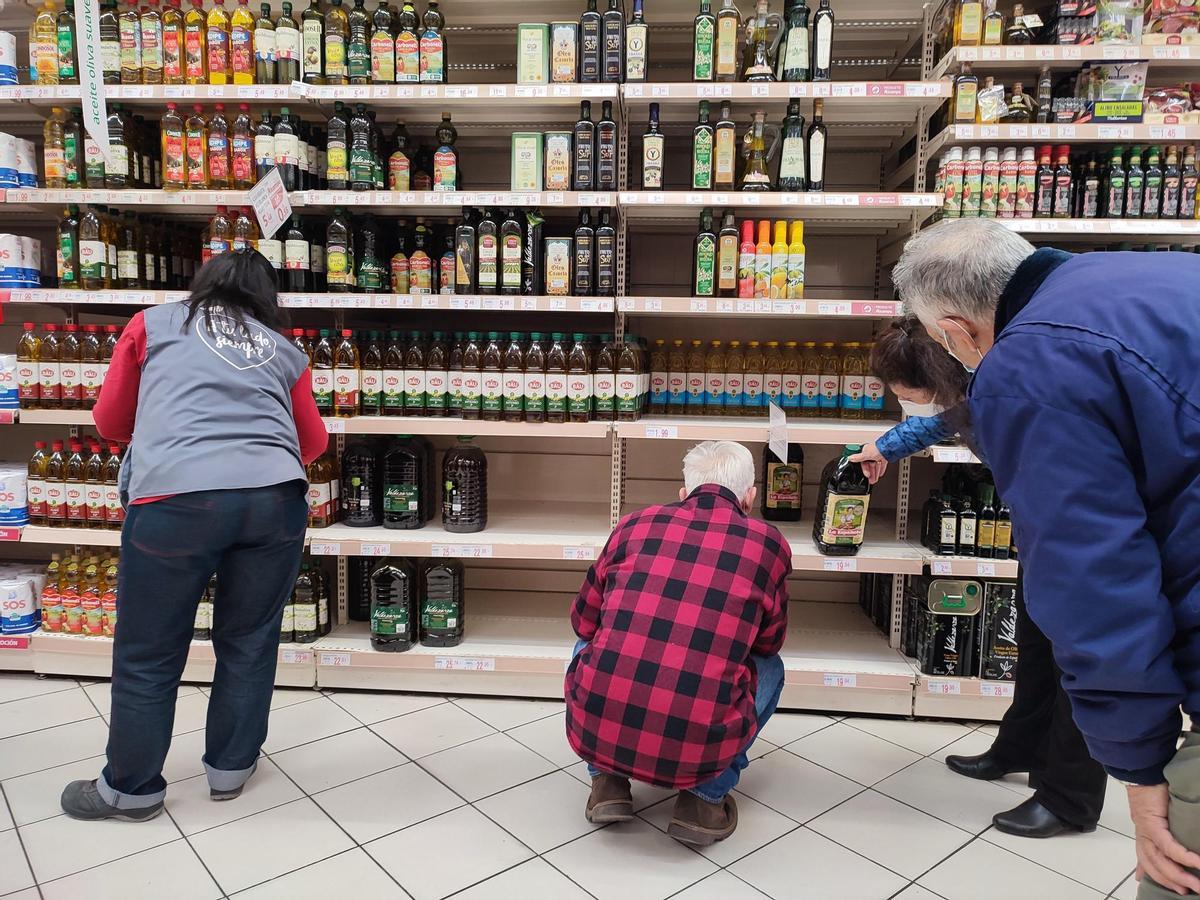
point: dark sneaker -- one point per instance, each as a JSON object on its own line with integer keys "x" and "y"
{"x": 700, "y": 823}
{"x": 611, "y": 800}
{"x": 82, "y": 800}
{"x": 233, "y": 794}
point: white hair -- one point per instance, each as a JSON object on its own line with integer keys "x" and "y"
{"x": 726, "y": 463}
{"x": 959, "y": 267}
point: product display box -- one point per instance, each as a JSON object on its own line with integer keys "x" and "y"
{"x": 533, "y": 53}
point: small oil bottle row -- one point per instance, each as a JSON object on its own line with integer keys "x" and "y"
{"x": 764, "y": 269}
{"x": 75, "y": 486}
{"x": 64, "y": 367}
{"x": 306, "y": 615}
{"x": 965, "y": 519}
{"x": 80, "y": 594}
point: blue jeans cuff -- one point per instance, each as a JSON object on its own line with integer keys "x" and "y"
{"x": 127, "y": 801}
{"x": 228, "y": 779}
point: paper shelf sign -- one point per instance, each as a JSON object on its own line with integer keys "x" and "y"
{"x": 271, "y": 204}
{"x": 91, "y": 78}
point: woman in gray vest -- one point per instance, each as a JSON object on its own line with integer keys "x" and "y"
{"x": 218, "y": 411}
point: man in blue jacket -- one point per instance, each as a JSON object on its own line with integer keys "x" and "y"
{"x": 1086, "y": 406}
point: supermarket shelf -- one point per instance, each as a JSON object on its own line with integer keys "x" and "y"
{"x": 717, "y": 428}
{"x": 91, "y": 657}
{"x": 971, "y": 567}
{"x": 1065, "y": 57}
{"x": 833, "y": 660}
{"x": 433, "y": 202}
{"x": 942, "y": 453}
{"x": 941, "y": 697}
{"x": 1093, "y": 229}
{"x": 15, "y": 653}
{"x": 880, "y": 553}
{"x": 90, "y": 298}
{"x": 724, "y": 306}
{"x": 160, "y": 201}
{"x": 456, "y": 425}
{"x": 890, "y": 210}
{"x": 84, "y": 537}
{"x": 572, "y": 531}
{"x": 966, "y": 134}
{"x": 56, "y": 417}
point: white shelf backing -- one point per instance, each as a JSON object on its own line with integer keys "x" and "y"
{"x": 742, "y": 307}
{"x": 716, "y": 428}
{"x": 880, "y": 553}
{"x": 570, "y": 531}
{"x": 941, "y": 697}
{"x": 91, "y": 657}
{"x": 834, "y": 659}
{"x": 1066, "y": 57}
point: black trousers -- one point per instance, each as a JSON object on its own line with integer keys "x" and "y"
{"x": 1039, "y": 733}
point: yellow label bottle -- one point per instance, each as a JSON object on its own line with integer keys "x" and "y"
{"x": 219, "y": 71}
{"x": 241, "y": 44}
{"x": 762, "y": 261}
{"x": 779, "y": 261}
{"x": 795, "y": 263}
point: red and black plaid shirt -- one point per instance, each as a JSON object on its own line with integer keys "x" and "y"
{"x": 672, "y": 610}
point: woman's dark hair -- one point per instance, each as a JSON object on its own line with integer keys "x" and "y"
{"x": 239, "y": 283}
{"x": 905, "y": 354}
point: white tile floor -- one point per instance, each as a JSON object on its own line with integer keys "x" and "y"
{"x": 376, "y": 796}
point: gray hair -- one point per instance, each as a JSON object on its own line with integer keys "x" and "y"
{"x": 959, "y": 267}
{"x": 726, "y": 463}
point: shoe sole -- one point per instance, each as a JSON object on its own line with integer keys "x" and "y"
{"x": 610, "y": 812}
{"x": 695, "y": 836}
{"x": 118, "y": 817}
{"x": 225, "y": 795}
{"x": 1070, "y": 829}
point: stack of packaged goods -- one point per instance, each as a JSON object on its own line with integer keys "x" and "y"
{"x": 80, "y": 595}
{"x": 409, "y": 601}
{"x": 63, "y": 368}
{"x": 75, "y": 487}
{"x": 965, "y": 519}
{"x": 21, "y": 588}
{"x": 961, "y": 628}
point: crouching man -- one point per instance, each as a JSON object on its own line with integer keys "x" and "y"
{"x": 680, "y": 623}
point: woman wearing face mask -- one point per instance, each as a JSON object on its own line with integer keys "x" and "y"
{"x": 930, "y": 385}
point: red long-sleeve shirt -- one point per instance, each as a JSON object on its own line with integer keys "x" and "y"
{"x": 116, "y": 408}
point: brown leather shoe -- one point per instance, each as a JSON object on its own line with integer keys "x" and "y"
{"x": 700, "y": 823}
{"x": 611, "y": 800}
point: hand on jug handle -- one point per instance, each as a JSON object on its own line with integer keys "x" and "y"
{"x": 1159, "y": 855}
{"x": 873, "y": 464}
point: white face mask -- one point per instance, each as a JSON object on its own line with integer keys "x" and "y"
{"x": 921, "y": 409}
{"x": 946, "y": 343}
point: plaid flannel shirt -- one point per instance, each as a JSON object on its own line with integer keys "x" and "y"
{"x": 678, "y": 600}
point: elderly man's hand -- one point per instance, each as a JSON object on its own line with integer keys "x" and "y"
{"x": 1159, "y": 855}
{"x": 873, "y": 464}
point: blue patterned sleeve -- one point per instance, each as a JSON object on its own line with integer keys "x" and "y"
{"x": 912, "y": 436}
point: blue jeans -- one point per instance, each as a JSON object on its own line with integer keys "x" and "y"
{"x": 252, "y": 539}
{"x": 766, "y": 698}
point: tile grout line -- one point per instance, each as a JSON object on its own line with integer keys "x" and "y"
{"x": 196, "y": 853}
{"x": 21, "y": 841}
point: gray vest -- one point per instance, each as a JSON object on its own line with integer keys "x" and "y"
{"x": 214, "y": 409}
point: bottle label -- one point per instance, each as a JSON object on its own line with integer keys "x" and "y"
{"x": 714, "y": 389}
{"x": 727, "y": 44}
{"x": 970, "y": 22}
{"x": 218, "y": 156}
{"x": 852, "y": 391}
{"x": 92, "y": 259}
{"x": 218, "y": 50}
{"x": 579, "y": 392}
{"x": 966, "y": 532}
{"x": 272, "y": 250}
{"x": 445, "y": 170}
{"x": 393, "y": 389}
{"x": 437, "y": 383}
{"x": 472, "y": 388}
{"x": 724, "y": 165}
{"x": 65, "y": 46}
{"x": 652, "y": 162}
{"x": 873, "y": 392}
{"x": 791, "y": 163}
{"x": 287, "y": 43}
{"x": 383, "y": 58}
{"x": 784, "y": 483}
{"x": 432, "y": 58}
{"x": 511, "y": 261}
{"x": 534, "y": 390}
{"x": 414, "y": 388}
{"x": 630, "y": 390}
{"x": 752, "y": 390}
{"x": 731, "y": 394}
{"x": 824, "y": 42}
{"x": 702, "y": 51}
{"x": 152, "y": 56}
{"x": 48, "y": 380}
{"x": 635, "y": 53}
{"x": 335, "y": 56}
{"x": 773, "y": 388}
{"x": 55, "y": 160}
{"x": 677, "y": 388}
{"x": 243, "y": 159}
{"x": 241, "y": 50}
{"x": 264, "y": 149}
{"x": 695, "y": 389}
{"x": 802, "y": 391}
{"x": 127, "y": 265}
{"x": 335, "y": 162}
{"x": 295, "y": 254}
{"x": 311, "y": 39}
{"x": 67, "y": 262}
{"x": 110, "y": 56}
{"x": 93, "y": 498}
{"x": 492, "y": 391}
{"x": 193, "y": 50}
{"x": 408, "y": 57}
{"x": 36, "y": 493}
{"x": 965, "y": 97}
{"x": 816, "y": 158}
{"x": 113, "y": 511}
{"x": 796, "y": 57}
{"x": 322, "y": 388}
{"x": 372, "y": 389}
{"x": 702, "y": 149}
{"x": 120, "y": 160}
{"x": 91, "y": 377}
{"x": 172, "y": 61}
{"x": 844, "y": 519}
{"x": 830, "y": 386}
{"x": 556, "y": 392}
{"x": 420, "y": 278}
{"x": 705, "y": 267}
{"x": 69, "y": 379}
{"x": 76, "y": 505}
{"x": 359, "y": 57}
{"x": 399, "y": 172}
{"x": 287, "y": 150}
{"x": 196, "y": 156}
{"x": 992, "y": 34}
{"x": 131, "y": 45}
{"x": 604, "y": 387}
{"x": 264, "y": 44}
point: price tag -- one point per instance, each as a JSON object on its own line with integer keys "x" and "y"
{"x": 498, "y": 90}
{"x": 760, "y": 90}
{"x": 745, "y": 306}
{"x": 943, "y": 687}
{"x": 660, "y": 90}
{"x": 558, "y": 304}
{"x": 461, "y": 91}
{"x": 986, "y": 570}
{"x": 1072, "y": 53}
{"x": 989, "y": 131}
{"x": 666, "y": 432}
{"x": 466, "y": 551}
{"x": 271, "y": 204}
{"x": 529, "y": 303}
{"x": 781, "y": 307}
{"x": 335, "y": 426}
{"x": 968, "y": 54}
{"x": 626, "y": 304}
{"x": 1043, "y": 52}
{"x": 333, "y": 659}
{"x": 964, "y": 132}
{"x": 633, "y": 90}
{"x": 699, "y": 305}
{"x": 656, "y": 198}
{"x": 1017, "y": 53}
{"x": 579, "y": 552}
{"x": 374, "y": 549}
{"x": 592, "y": 304}
{"x": 1018, "y": 132}
{"x": 317, "y": 549}
{"x": 1066, "y": 131}
{"x": 14, "y": 643}
{"x": 296, "y": 657}
{"x": 705, "y": 90}
{"x": 833, "y": 309}
{"x": 430, "y": 301}
{"x": 840, "y": 565}
{"x": 941, "y": 567}
{"x": 725, "y": 306}
{"x": 653, "y": 304}
{"x": 991, "y": 53}
{"x": 1167, "y": 132}
{"x": 1115, "y": 52}
{"x": 953, "y": 454}
{"x": 837, "y": 680}
{"x": 464, "y": 663}
{"x": 996, "y": 689}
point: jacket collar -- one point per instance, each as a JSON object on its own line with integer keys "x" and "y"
{"x": 709, "y": 495}
{"x": 1026, "y": 282}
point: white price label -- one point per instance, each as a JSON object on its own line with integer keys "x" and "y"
{"x": 335, "y": 426}
{"x": 653, "y": 304}
{"x": 529, "y": 303}
{"x": 964, "y": 132}
{"x": 944, "y": 687}
{"x": 626, "y": 304}
{"x": 941, "y": 567}
{"x": 430, "y": 301}
{"x": 464, "y": 663}
{"x": 840, "y": 681}
{"x": 558, "y": 304}
{"x": 579, "y": 552}
{"x": 760, "y": 90}
{"x": 986, "y": 570}
{"x": 466, "y": 551}
{"x": 833, "y": 309}
{"x": 699, "y": 305}
{"x": 374, "y": 549}
{"x": 989, "y": 131}
{"x": 660, "y": 90}
{"x": 324, "y": 549}
{"x": 725, "y": 306}
{"x": 498, "y": 90}
{"x": 668, "y": 432}
{"x": 333, "y": 659}
{"x": 996, "y": 689}
{"x": 296, "y": 657}
{"x": 840, "y": 565}
{"x": 1018, "y": 132}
